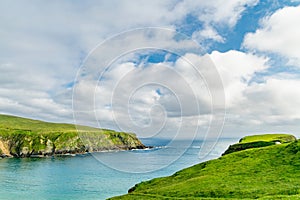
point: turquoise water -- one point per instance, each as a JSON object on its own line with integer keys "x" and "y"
{"x": 94, "y": 176}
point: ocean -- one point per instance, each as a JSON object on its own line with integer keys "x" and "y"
{"x": 98, "y": 175}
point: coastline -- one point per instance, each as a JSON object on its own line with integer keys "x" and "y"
{"x": 71, "y": 154}
{"x": 233, "y": 175}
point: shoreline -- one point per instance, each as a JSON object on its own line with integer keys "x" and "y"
{"x": 70, "y": 154}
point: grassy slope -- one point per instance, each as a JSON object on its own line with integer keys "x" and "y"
{"x": 23, "y": 136}
{"x": 271, "y": 172}
{"x": 13, "y": 122}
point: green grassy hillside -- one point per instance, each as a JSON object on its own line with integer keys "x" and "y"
{"x": 271, "y": 172}
{"x": 21, "y": 137}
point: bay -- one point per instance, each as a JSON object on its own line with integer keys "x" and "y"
{"x": 99, "y": 175}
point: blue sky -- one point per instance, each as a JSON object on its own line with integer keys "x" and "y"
{"x": 249, "y": 22}
{"x": 52, "y": 64}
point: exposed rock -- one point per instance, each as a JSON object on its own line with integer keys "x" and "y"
{"x": 41, "y": 145}
{"x": 4, "y": 151}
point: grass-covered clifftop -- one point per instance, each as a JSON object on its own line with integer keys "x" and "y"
{"x": 21, "y": 137}
{"x": 257, "y": 141}
{"x": 271, "y": 172}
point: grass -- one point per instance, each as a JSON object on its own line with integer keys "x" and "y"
{"x": 271, "y": 172}
{"x": 282, "y": 138}
{"x": 257, "y": 141}
{"x": 24, "y": 137}
{"x": 19, "y": 123}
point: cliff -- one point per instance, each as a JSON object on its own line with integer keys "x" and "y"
{"x": 21, "y": 137}
{"x": 270, "y": 172}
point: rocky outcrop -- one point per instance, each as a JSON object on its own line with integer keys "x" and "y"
{"x": 48, "y": 144}
{"x": 4, "y": 151}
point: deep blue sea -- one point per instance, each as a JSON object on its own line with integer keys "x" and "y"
{"x": 100, "y": 175}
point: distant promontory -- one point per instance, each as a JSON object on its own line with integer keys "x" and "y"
{"x": 22, "y": 137}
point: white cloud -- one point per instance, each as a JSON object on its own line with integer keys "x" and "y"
{"x": 128, "y": 92}
{"x": 147, "y": 97}
{"x": 218, "y": 11}
{"x": 276, "y": 100}
{"x": 279, "y": 33}
{"x": 236, "y": 70}
{"x": 269, "y": 106}
{"x": 207, "y": 33}
{"x": 213, "y": 14}
{"x": 32, "y": 103}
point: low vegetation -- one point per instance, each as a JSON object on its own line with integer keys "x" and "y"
{"x": 271, "y": 172}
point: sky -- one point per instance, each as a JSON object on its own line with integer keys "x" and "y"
{"x": 172, "y": 68}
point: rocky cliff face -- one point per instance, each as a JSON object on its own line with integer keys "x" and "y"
{"x": 21, "y": 137}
